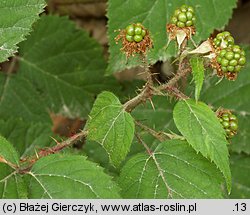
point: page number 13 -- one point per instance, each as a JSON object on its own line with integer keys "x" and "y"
{"x": 240, "y": 207}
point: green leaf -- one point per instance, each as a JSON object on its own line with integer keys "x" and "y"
{"x": 64, "y": 176}
{"x": 67, "y": 73}
{"x": 111, "y": 126}
{"x": 203, "y": 131}
{"x": 174, "y": 166}
{"x": 12, "y": 185}
{"x": 154, "y": 15}
{"x": 233, "y": 95}
{"x": 240, "y": 176}
{"x": 8, "y": 152}
{"x": 158, "y": 117}
{"x": 198, "y": 74}
{"x": 16, "y": 19}
{"x": 27, "y": 137}
{"x": 18, "y": 99}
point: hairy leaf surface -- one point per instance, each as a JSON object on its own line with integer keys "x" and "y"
{"x": 174, "y": 166}
{"x": 111, "y": 126}
{"x": 16, "y": 19}
{"x": 203, "y": 131}
{"x": 65, "y": 176}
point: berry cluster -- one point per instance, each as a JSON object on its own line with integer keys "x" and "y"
{"x": 229, "y": 123}
{"x": 135, "y": 33}
{"x": 231, "y": 59}
{"x": 135, "y": 40}
{"x": 183, "y": 17}
{"x": 223, "y": 40}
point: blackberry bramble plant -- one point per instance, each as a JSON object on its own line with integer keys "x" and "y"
{"x": 180, "y": 135}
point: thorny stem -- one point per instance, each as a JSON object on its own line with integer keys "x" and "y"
{"x": 148, "y": 90}
{"x": 53, "y": 150}
{"x": 158, "y": 135}
{"x": 152, "y": 155}
{"x": 146, "y": 94}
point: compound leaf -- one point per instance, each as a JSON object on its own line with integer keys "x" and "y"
{"x": 203, "y": 131}
{"x": 173, "y": 166}
{"x": 111, "y": 126}
{"x": 65, "y": 176}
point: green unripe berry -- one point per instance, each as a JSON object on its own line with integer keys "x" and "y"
{"x": 220, "y": 36}
{"x": 225, "y": 40}
{"x": 236, "y": 49}
{"x": 130, "y": 30}
{"x": 233, "y": 126}
{"x": 229, "y": 123}
{"x": 138, "y": 30}
{"x": 233, "y": 117}
{"x": 177, "y": 12}
{"x": 135, "y": 32}
{"x": 189, "y": 23}
{"x": 237, "y": 68}
{"x": 190, "y": 9}
{"x": 129, "y": 38}
{"x": 225, "y": 124}
{"x": 230, "y": 59}
{"x": 233, "y": 62}
{"x": 226, "y": 33}
{"x": 224, "y": 69}
{"x": 138, "y": 38}
{"x": 180, "y": 24}
{"x": 242, "y": 61}
{"x": 219, "y": 59}
{"x": 189, "y": 15}
{"x": 230, "y": 68}
{"x": 230, "y": 40}
{"x": 224, "y": 62}
{"x": 143, "y": 33}
{"x": 184, "y": 8}
{"x": 236, "y": 56}
{"x": 229, "y": 55}
{"x": 223, "y": 52}
{"x": 174, "y": 20}
{"x": 225, "y": 118}
{"x": 182, "y": 17}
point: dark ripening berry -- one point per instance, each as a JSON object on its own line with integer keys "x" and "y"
{"x": 229, "y": 123}
{"x": 183, "y": 17}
